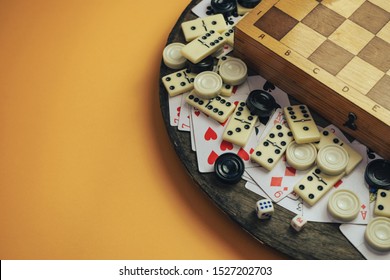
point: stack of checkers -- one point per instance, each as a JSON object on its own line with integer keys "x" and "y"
{"x": 256, "y": 133}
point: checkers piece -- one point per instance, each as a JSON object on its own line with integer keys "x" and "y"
{"x": 233, "y": 71}
{"x": 207, "y": 84}
{"x": 225, "y": 7}
{"x": 301, "y": 156}
{"x": 377, "y": 174}
{"x": 229, "y": 168}
{"x": 248, "y": 3}
{"x": 206, "y": 64}
{"x": 344, "y": 205}
{"x": 172, "y": 56}
{"x": 332, "y": 159}
{"x": 377, "y": 233}
{"x": 261, "y": 103}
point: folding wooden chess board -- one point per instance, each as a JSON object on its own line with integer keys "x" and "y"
{"x": 333, "y": 55}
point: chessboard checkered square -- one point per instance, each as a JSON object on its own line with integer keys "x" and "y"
{"x": 323, "y": 20}
{"x": 384, "y": 4}
{"x": 385, "y": 32}
{"x": 351, "y": 37}
{"x": 370, "y": 17}
{"x": 290, "y": 7}
{"x": 360, "y": 74}
{"x": 376, "y": 93}
{"x": 303, "y": 39}
{"x": 331, "y": 57}
{"x": 377, "y": 53}
{"x": 345, "y": 7}
{"x": 270, "y": 23}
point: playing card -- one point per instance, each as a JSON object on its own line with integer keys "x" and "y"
{"x": 185, "y": 112}
{"x": 277, "y": 183}
{"x": 223, "y": 52}
{"x": 318, "y": 212}
{"x": 193, "y": 144}
{"x": 174, "y": 104}
{"x": 208, "y": 136}
{"x": 355, "y": 235}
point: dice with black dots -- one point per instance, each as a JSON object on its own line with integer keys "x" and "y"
{"x": 271, "y": 148}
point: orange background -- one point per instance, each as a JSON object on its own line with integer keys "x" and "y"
{"x": 87, "y": 170}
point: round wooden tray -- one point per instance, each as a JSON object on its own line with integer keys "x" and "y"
{"x": 316, "y": 241}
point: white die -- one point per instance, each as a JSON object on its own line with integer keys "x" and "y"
{"x": 298, "y": 222}
{"x": 264, "y": 209}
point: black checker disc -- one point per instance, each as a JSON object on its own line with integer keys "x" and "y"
{"x": 229, "y": 168}
{"x": 377, "y": 174}
{"x": 207, "y": 64}
{"x": 248, "y": 3}
{"x": 225, "y": 7}
{"x": 261, "y": 103}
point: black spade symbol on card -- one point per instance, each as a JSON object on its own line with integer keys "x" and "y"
{"x": 268, "y": 86}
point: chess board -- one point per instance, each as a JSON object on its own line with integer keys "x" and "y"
{"x": 333, "y": 55}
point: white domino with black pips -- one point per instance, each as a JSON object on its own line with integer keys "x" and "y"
{"x": 328, "y": 138}
{"x": 240, "y": 125}
{"x": 229, "y": 35}
{"x": 315, "y": 184}
{"x": 197, "y": 27}
{"x": 302, "y": 124}
{"x": 179, "y": 82}
{"x": 272, "y": 147}
{"x": 203, "y": 46}
{"x": 382, "y": 204}
{"x": 217, "y": 108}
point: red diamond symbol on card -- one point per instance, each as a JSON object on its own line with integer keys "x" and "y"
{"x": 339, "y": 182}
{"x": 285, "y": 188}
{"x": 363, "y": 206}
{"x": 290, "y": 171}
{"x": 276, "y": 181}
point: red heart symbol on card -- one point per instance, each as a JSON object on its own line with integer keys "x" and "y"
{"x": 197, "y": 113}
{"x": 212, "y": 157}
{"x": 225, "y": 145}
{"x": 210, "y": 134}
{"x": 243, "y": 154}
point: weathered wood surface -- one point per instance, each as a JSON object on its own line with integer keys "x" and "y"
{"x": 316, "y": 241}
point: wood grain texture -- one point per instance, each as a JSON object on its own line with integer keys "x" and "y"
{"x": 316, "y": 241}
